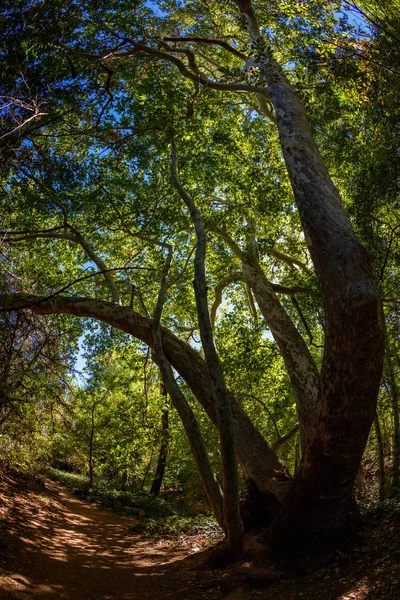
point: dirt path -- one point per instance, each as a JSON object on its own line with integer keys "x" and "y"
{"x": 54, "y": 546}
{"x": 61, "y": 547}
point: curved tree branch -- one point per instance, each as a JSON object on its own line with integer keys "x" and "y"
{"x": 194, "y": 75}
{"x": 77, "y": 238}
{"x": 209, "y": 41}
{"x": 256, "y": 458}
{"x": 237, "y": 276}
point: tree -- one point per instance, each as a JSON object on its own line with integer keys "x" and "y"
{"x": 335, "y": 393}
{"x": 162, "y": 457}
{"x": 28, "y": 350}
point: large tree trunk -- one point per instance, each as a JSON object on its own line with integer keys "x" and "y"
{"x": 320, "y": 505}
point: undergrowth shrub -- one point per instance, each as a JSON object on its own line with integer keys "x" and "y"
{"x": 160, "y": 520}
{"x": 202, "y": 527}
{"x": 107, "y": 496}
{"x": 376, "y": 511}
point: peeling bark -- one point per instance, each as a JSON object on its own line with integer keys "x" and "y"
{"x": 320, "y": 506}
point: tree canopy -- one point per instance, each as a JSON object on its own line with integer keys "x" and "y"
{"x": 213, "y": 189}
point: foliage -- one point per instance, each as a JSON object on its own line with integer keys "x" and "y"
{"x": 70, "y": 480}
{"x": 201, "y": 529}
{"x": 86, "y": 189}
{"x": 376, "y": 511}
{"x": 107, "y": 496}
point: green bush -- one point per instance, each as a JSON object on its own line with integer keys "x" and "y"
{"x": 376, "y": 511}
{"x": 70, "y": 480}
{"x": 178, "y": 527}
{"x": 107, "y": 496}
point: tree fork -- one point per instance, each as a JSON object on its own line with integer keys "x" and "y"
{"x": 320, "y": 505}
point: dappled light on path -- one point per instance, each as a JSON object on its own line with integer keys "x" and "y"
{"x": 56, "y": 547}
{"x": 71, "y": 550}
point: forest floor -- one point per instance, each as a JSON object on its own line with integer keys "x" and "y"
{"x": 54, "y": 546}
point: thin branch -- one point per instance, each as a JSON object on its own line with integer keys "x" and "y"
{"x": 209, "y": 41}
{"x": 285, "y": 438}
{"x": 139, "y": 236}
{"x": 229, "y": 241}
{"x": 292, "y": 290}
{"x": 304, "y": 321}
{"x": 187, "y": 52}
{"x": 267, "y": 410}
{"x": 375, "y": 23}
{"x": 383, "y": 268}
{"x": 189, "y": 421}
{"x": 75, "y": 237}
{"x": 11, "y": 233}
{"x": 232, "y": 519}
{"x": 197, "y": 77}
{"x": 187, "y": 261}
{"x": 36, "y": 116}
{"x": 45, "y": 235}
{"x": 40, "y": 300}
{"x": 237, "y": 276}
{"x": 289, "y": 260}
{"x": 163, "y": 290}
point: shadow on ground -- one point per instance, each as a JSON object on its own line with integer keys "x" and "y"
{"x": 54, "y": 546}
{"x": 61, "y": 547}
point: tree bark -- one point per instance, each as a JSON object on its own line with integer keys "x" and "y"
{"x": 232, "y": 521}
{"x": 319, "y": 507}
{"x": 162, "y": 456}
